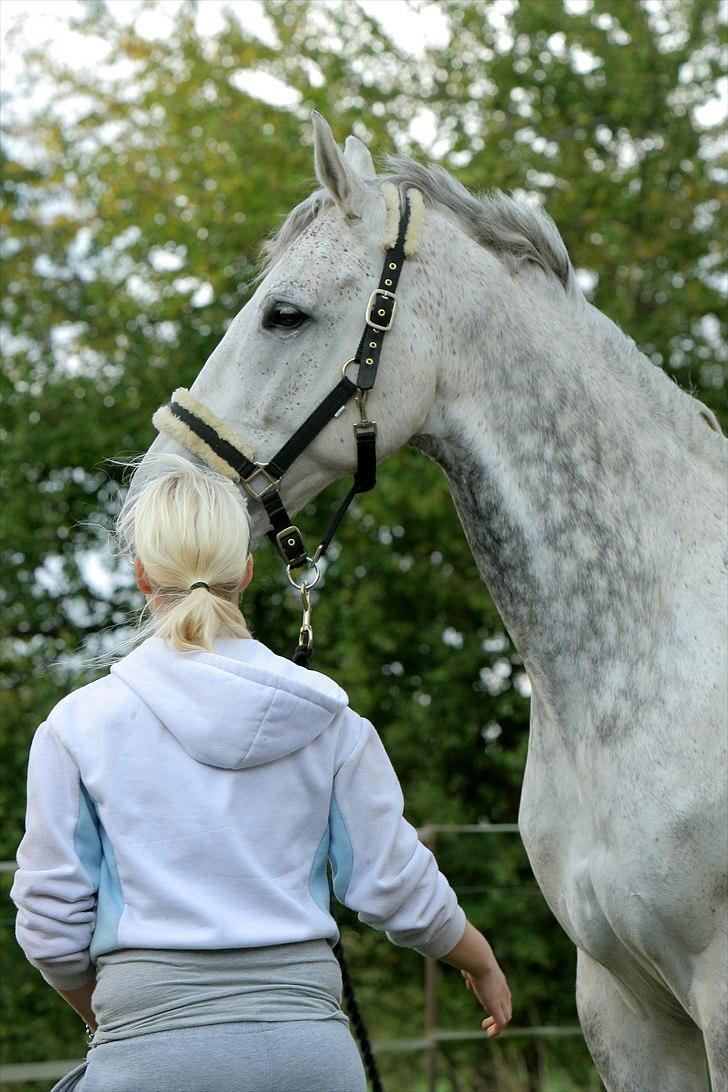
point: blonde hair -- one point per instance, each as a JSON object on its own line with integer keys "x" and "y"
{"x": 187, "y": 523}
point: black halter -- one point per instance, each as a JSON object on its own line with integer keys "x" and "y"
{"x": 261, "y": 481}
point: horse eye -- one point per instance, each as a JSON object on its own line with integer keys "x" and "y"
{"x": 283, "y": 316}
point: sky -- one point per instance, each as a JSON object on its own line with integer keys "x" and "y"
{"x": 413, "y": 31}
{"x": 48, "y": 22}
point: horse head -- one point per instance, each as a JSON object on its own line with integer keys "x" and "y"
{"x": 286, "y": 348}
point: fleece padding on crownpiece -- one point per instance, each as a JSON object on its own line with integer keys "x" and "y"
{"x": 391, "y": 198}
{"x": 165, "y": 421}
{"x": 414, "y": 227}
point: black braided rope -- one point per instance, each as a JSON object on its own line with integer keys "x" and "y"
{"x": 350, "y": 1001}
{"x": 352, "y": 1007}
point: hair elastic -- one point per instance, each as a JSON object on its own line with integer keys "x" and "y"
{"x": 199, "y": 584}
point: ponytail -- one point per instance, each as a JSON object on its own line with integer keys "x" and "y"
{"x": 189, "y": 528}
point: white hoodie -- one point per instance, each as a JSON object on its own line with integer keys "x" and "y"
{"x": 193, "y": 800}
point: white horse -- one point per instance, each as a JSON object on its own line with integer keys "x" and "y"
{"x": 591, "y": 491}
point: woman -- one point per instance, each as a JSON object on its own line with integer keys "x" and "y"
{"x": 181, "y": 812}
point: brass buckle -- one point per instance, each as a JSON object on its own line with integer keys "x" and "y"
{"x": 372, "y": 303}
{"x": 272, "y": 482}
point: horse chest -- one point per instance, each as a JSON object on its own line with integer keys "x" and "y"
{"x": 617, "y": 904}
{"x": 573, "y": 884}
{"x": 598, "y": 915}
{"x": 602, "y": 908}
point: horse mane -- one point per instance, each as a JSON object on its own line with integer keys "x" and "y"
{"x": 516, "y": 231}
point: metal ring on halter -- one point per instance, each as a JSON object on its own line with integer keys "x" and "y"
{"x": 353, "y": 360}
{"x": 313, "y": 565}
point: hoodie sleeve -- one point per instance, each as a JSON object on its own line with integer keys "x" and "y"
{"x": 380, "y": 867}
{"x": 59, "y": 859}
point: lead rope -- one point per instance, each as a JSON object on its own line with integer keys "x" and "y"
{"x": 360, "y": 1030}
{"x": 352, "y": 1005}
{"x": 301, "y": 656}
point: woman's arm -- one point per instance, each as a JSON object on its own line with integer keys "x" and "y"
{"x": 59, "y": 861}
{"x": 380, "y": 867}
{"x": 80, "y": 1000}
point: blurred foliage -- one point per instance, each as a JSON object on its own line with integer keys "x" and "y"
{"x": 136, "y": 199}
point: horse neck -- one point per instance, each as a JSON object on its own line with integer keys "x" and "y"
{"x": 573, "y": 488}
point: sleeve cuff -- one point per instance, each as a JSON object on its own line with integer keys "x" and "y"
{"x": 446, "y": 937}
{"x": 67, "y": 980}
{"x": 442, "y": 941}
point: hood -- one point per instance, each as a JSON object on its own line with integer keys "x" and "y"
{"x": 241, "y": 705}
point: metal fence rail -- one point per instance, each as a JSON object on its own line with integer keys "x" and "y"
{"x": 425, "y": 833}
{"x": 34, "y": 1071}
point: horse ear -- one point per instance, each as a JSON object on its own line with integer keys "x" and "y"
{"x": 358, "y": 157}
{"x": 344, "y": 184}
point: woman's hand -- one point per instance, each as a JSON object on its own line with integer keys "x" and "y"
{"x": 491, "y": 989}
{"x": 474, "y": 957}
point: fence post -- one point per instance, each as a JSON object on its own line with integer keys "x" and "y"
{"x": 429, "y": 837}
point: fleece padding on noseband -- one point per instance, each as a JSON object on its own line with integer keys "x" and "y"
{"x": 165, "y": 421}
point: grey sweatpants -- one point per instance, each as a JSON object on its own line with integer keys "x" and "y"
{"x": 291, "y": 1056}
